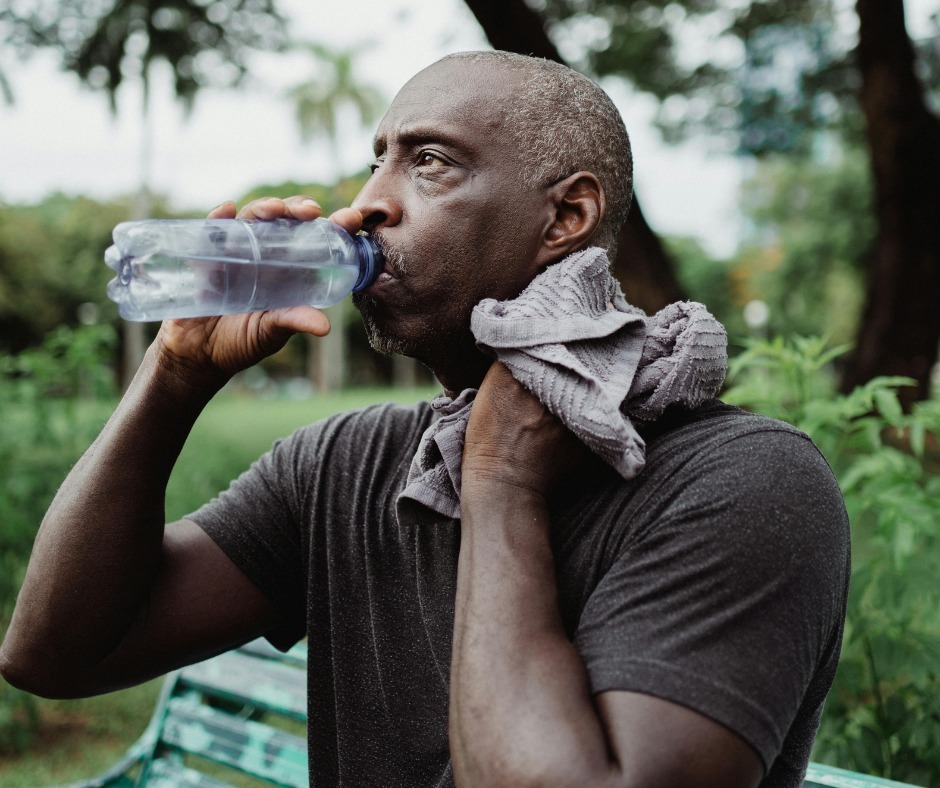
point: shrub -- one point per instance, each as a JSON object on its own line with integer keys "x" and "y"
{"x": 42, "y": 393}
{"x": 883, "y": 714}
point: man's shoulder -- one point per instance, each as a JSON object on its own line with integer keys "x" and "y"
{"x": 714, "y": 418}
{"x": 383, "y": 432}
{"x": 727, "y": 445}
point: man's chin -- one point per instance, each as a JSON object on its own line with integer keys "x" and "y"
{"x": 380, "y": 337}
{"x": 385, "y": 344}
{"x": 435, "y": 347}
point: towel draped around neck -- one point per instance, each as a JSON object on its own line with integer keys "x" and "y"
{"x": 595, "y": 361}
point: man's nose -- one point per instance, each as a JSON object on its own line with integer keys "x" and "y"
{"x": 377, "y": 204}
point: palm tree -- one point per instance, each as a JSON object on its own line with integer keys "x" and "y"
{"x": 321, "y": 103}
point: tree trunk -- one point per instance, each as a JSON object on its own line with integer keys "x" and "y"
{"x": 900, "y": 328}
{"x": 326, "y": 361}
{"x": 133, "y": 334}
{"x": 642, "y": 266}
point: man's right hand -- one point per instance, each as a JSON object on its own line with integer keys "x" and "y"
{"x": 111, "y": 596}
{"x": 206, "y": 352}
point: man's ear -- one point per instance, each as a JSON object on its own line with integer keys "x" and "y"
{"x": 578, "y": 206}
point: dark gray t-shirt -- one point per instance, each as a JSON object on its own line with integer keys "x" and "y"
{"x": 716, "y": 579}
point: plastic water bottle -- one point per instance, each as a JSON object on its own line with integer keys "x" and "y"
{"x": 170, "y": 268}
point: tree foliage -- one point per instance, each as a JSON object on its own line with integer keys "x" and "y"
{"x": 43, "y": 394}
{"x": 320, "y": 101}
{"x": 810, "y": 235}
{"x": 205, "y": 42}
{"x": 807, "y": 243}
{"x": 51, "y": 263}
{"x": 764, "y": 75}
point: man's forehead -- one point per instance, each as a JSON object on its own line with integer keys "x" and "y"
{"x": 471, "y": 95}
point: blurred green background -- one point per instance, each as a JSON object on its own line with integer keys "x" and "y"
{"x": 829, "y": 290}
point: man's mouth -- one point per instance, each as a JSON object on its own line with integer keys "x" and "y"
{"x": 394, "y": 261}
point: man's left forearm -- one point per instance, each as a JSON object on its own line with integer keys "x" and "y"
{"x": 521, "y": 710}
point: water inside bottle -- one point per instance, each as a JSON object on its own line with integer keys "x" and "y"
{"x": 168, "y": 286}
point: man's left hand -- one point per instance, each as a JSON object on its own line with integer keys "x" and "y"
{"x": 513, "y": 440}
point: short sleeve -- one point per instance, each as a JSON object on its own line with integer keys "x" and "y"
{"x": 258, "y": 523}
{"x": 731, "y": 600}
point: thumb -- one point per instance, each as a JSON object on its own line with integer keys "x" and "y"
{"x": 301, "y": 319}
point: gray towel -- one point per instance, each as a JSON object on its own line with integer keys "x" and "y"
{"x": 595, "y": 361}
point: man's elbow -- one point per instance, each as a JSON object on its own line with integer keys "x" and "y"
{"x": 16, "y": 671}
{"x": 33, "y": 674}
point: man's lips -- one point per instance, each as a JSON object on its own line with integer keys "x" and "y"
{"x": 390, "y": 269}
{"x": 384, "y": 280}
{"x": 386, "y": 275}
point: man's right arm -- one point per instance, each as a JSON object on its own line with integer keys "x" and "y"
{"x": 111, "y": 596}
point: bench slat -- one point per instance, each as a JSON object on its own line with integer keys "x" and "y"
{"x": 296, "y": 655}
{"x": 250, "y": 747}
{"x": 236, "y": 676}
{"x": 819, "y": 775}
{"x": 165, "y": 773}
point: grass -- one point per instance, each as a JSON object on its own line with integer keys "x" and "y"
{"x": 80, "y": 738}
{"x": 235, "y": 430}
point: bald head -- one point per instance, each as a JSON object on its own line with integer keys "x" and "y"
{"x": 561, "y": 123}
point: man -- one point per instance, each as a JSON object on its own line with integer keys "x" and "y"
{"x": 571, "y": 627}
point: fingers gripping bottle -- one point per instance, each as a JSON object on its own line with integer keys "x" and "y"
{"x": 200, "y": 267}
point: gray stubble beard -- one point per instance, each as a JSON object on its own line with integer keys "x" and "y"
{"x": 378, "y": 338}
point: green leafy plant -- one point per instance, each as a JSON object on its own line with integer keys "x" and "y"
{"x": 883, "y": 714}
{"x": 45, "y": 394}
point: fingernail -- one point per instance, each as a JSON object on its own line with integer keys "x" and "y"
{"x": 310, "y": 203}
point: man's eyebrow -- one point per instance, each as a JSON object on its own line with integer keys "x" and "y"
{"x": 422, "y": 135}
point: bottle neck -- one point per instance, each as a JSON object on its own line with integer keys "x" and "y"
{"x": 371, "y": 261}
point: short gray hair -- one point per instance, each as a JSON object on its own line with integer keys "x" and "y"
{"x": 564, "y": 123}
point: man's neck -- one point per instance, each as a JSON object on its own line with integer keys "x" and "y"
{"x": 467, "y": 374}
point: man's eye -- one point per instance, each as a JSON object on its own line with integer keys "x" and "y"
{"x": 427, "y": 157}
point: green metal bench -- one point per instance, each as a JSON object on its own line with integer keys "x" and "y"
{"x": 242, "y": 715}
{"x": 819, "y": 776}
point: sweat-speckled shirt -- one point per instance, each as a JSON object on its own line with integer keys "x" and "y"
{"x": 715, "y": 579}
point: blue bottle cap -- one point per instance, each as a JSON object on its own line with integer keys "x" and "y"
{"x": 371, "y": 261}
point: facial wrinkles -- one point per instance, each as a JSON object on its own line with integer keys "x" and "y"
{"x": 429, "y": 108}
{"x": 465, "y": 124}
{"x": 397, "y": 155}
